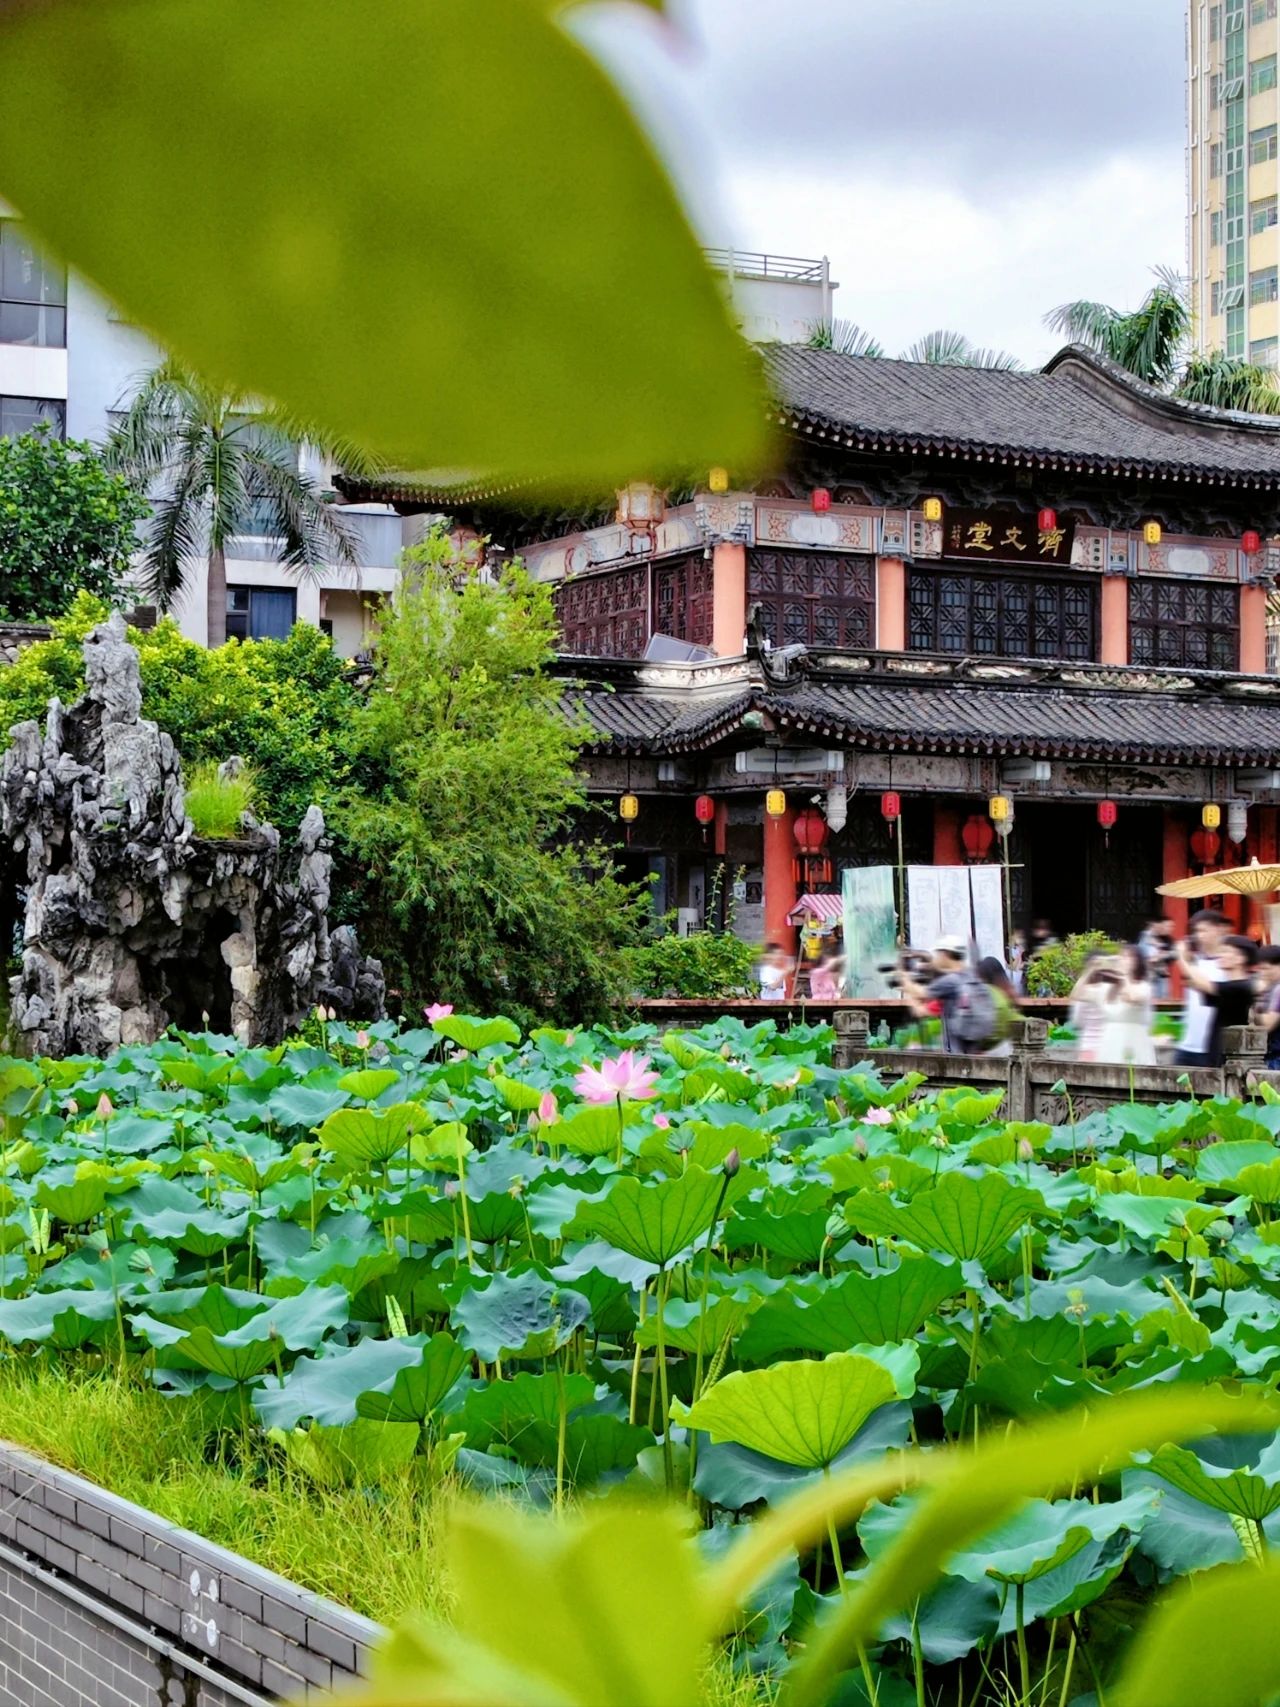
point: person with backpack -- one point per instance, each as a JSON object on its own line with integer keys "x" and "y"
{"x": 957, "y": 996}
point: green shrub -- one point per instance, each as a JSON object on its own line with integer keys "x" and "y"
{"x": 217, "y": 803}
{"x": 708, "y": 963}
{"x": 1054, "y": 970}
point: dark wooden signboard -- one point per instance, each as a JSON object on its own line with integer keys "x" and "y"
{"x": 1004, "y": 536}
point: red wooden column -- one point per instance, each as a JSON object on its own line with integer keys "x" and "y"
{"x": 729, "y": 600}
{"x": 1175, "y": 863}
{"x": 1115, "y": 620}
{"x": 948, "y": 847}
{"x": 720, "y": 829}
{"x": 891, "y": 604}
{"x": 1253, "y": 630}
{"x": 780, "y": 878}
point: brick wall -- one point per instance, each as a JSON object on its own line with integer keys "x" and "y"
{"x": 103, "y": 1604}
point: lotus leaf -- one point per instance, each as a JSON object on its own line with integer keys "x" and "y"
{"x": 364, "y": 1137}
{"x": 369, "y": 1083}
{"x": 518, "y": 1316}
{"x": 961, "y": 1217}
{"x": 475, "y": 1034}
{"x": 418, "y": 1389}
{"x": 1178, "y": 1658}
{"x": 873, "y": 1309}
{"x": 65, "y": 1319}
{"x": 656, "y": 1221}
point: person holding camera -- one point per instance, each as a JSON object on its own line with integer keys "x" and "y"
{"x": 955, "y": 995}
{"x": 1113, "y": 1002}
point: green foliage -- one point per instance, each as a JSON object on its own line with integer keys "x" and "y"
{"x": 711, "y": 962}
{"x": 463, "y": 800}
{"x": 283, "y": 705}
{"x": 561, "y": 359}
{"x": 67, "y": 525}
{"x": 216, "y": 804}
{"x": 1053, "y": 971}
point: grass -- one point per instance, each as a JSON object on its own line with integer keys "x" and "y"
{"x": 215, "y": 804}
{"x": 378, "y": 1551}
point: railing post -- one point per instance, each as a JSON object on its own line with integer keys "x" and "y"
{"x": 1244, "y": 1054}
{"x": 853, "y": 1030}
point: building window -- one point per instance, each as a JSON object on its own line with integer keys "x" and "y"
{"x": 1191, "y": 625}
{"x": 1215, "y": 297}
{"x": 24, "y": 414}
{"x": 1215, "y": 159}
{"x": 1215, "y": 23}
{"x": 1261, "y": 10}
{"x": 813, "y": 598}
{"x": 1262, "y": 214}
{"x": 1264, "y": 286}
{"x": 1215, "y": 229}
{"x": 33, "y": 292}
{"x": 1262, "y": 74}
{"x": 682, "y": 599}
{"x": 261, "y": 613}
{"x": 1262, "y": 351}
{"x": 996, "y": 615}
{"x": 1262, "y": 145}
{"x": 1215, "y": 91}
{"x": 605, "y": 615}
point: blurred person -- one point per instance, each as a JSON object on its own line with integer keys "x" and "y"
{"x": 1005, "y": 996}
{"x": 1225, "y": 988}
{"x": 1018, "y": 960}
{"x": 1120, "y": 989}
{"x": 773, "y": 973}
{"x": 1207, "y": 932}
{"x": 955, "y": 995}
{"x": 1266, "y": 1006}
{"x": 826, "y": 981}
{"x": 1157, "y": 945}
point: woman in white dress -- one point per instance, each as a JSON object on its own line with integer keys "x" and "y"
{"x": 1124, "y": 996}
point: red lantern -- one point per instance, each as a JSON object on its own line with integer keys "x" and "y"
{"x": 890, "y": 807}
{"x": 820, "y": 498}
{"x": 1250, "y": 541}
{"x": 1107, "y": 813}
{"x": 1047, "y": 520}
{"x": 1204, "y": 846}
{"x": 977, "y": 836}
{"x": 704, "y": 809}
{"x": 810, "y": 831}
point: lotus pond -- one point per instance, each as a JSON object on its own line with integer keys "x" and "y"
{"x": 705, "y": 1264}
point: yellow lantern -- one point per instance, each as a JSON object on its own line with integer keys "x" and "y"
{"x": 628, "y": 808}
{"x": 775, "y": 803}
{"x": 1151, "y": 532}
{"x": 1211, "y": 815}
{"x": 999, "y": 808}
{"x": 932, "y": 508}
{"x": 718, "y": 480}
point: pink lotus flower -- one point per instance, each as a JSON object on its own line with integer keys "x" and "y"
{"x": 437, "y": 1010}
{"x": 878, "y": 1117}
{"x": 661, "y": 1120}
{"x": 105, "y": 1107}
{"x": 625, "y": 1075}
{"x": 547, "y": 1109}
{"x": 362, "y": 1040}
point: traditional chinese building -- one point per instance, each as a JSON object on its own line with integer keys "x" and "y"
{"x": 957, "y": 583}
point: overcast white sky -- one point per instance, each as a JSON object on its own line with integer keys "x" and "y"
{"x": 966, "y": 164}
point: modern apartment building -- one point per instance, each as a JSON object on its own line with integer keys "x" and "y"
{"x": 1233, "y": 110}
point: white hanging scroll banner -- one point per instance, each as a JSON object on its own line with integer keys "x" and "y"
{"x": 954, "y": 907}
{"x": 923, "y": 916}
{"x": 986, "y": 883}
{"x": 870, "y": 928}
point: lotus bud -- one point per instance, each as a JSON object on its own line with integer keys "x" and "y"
{"x": 332, "y": 1013}
{"x": 105, "y": 1108}
{"x": 661, "y": 1121}
{"x": 320, "y": 1012}
{"x": 362, "y": 1040}
{"x": 860, "y": 1144}
{"x": 533, "y": 1122}
{"x": 547, "y": 1109}
{"x": 204, "y": 1018}
{"x": 570, "y": 1038}
{"x": 1025, "y": 1150}
{"x": 940, "y": 1141}
{"x": 725, "y": 1051}
{"x": 451, "y": 1189}
{"x": 732, "y": 1162}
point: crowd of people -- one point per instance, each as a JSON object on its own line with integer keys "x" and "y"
{"x": 1225, "y": 980}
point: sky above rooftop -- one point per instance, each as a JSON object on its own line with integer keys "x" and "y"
{"x": 966, "y": 164}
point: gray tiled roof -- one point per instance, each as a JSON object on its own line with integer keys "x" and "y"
{"x": 1080, "y": 410}
{"x": 1089, "y": 722}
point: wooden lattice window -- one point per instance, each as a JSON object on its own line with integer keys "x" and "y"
{"x": 1002, "y": 615}
{"x": 682, "y": 599}
{"x": 605, "y": 615}
{"x": 1190, "y": 625}
{"x": 814, "y": 598}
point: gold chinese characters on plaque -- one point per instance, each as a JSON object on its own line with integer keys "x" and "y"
{"x": 1005, "y": 536}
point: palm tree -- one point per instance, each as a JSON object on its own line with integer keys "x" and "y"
{"x": 1153, "y": 341}
{"x": 215, "y": 464}
{"x": 942, "y": 349}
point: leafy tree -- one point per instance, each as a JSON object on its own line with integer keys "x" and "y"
{"x": 1153, "y": 342}
{"x": 463, "y": 802}
{"x": 67, "y": 524}
{"x": 285, "y": 705}
{"x": 938, "y": 349}
{"x": 216, "y": 463}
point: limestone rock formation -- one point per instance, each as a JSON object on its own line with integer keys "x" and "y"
{"x": 132, "y": 922}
